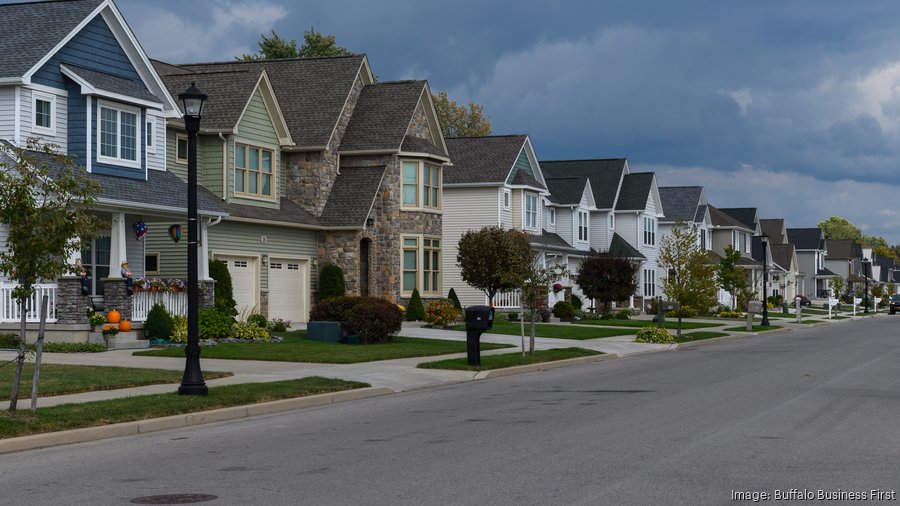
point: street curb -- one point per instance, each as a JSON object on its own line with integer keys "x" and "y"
{"x": 88, "y": 434}
{"x": 544, "y": 366}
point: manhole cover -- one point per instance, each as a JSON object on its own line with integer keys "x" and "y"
{"x": 173, "y": 499}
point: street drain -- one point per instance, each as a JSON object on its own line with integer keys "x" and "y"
{"x": 173, "y": 499}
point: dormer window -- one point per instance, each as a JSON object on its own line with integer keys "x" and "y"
{"x": 117, "y": 134}
{"x": 44, "y": 113}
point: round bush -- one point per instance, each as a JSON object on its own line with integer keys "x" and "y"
{"x": 654, "y": 335}
{"x": 331, "y": 282}
{"x": 623, "y": 314}
{"x": 577, "y": 303}
{"x": 374, "y": 320}
{"x": 158, "y": 324}
{"x": 441, "y": 313}
{"x": 563, "y": 309}
{"x": 214, "y": 324}
{"x": 334, "y": 309}
{"x": 259, "y": 320}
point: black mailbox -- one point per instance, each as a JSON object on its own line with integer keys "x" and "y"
{"x": 478, "y": 320}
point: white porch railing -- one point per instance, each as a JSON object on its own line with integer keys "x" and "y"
{"x": 174, "y": 302}
{"x": 9, "y": 307}
{"x": 507, "y": 300}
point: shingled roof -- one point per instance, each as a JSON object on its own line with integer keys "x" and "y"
{"x": 843, "y": 248}
{"x": 745, "y": 215}
{"x": 621, "y": 247}
{"x": 352, "y": 196}
{"x": 680, "y": 203}
{"x": 635, "y": 190}
{"x": 782, "y": 254}
{"x": 310, "y": 91}
{"x": 482, "y": 159}
{"x": 552, "y": 242}
{"x": 566, "y": 190}
{"x": 720, "y": 219}
{"x": 31, "y": 30}
{"x": 605, "y": 176}
{"x": 110, "y": 83}
{"x": 806, "y": 238}
{"x": 774, "y": 228}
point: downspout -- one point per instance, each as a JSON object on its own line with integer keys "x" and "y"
{"x": 224, "y": 171}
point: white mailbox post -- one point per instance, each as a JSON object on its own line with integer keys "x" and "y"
{"x": 831, "y": 303}
{"x": 875, "y": 301}
{"x": 856, "y": 302}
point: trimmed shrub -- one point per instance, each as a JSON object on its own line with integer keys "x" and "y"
{"x": 215, "y": 324}
{"x": 74, "y": 347}
{"x": 513, "y": 317}
{"x": 331, "y": 282}
{"x": 544, "y": 314}
{"x": 9, "y": 340}
{"x": 179, "y": 329}
{"x": 731, "y": 314}
{"x": 441, "y": 313}
{"x": 224, "y": 293}
{"x": 374, "y": 320}
{"x": 654, "y": 335}
{"x": 259, "y": 320}
{"x": 415, "y": 310}
{"x": 159, "y": 323}
{"x": 278, "y": 325}
{"x": 454, "y": 299}
{"x": 334, "y": 309}
{"x": 563, "y": 309}
{"x": 250, "y": 331}
{"x": 623, "y": 314}
{"x": 577, "y": 303}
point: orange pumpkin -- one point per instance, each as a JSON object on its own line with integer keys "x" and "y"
{"x": 125, "y": 326}
{"x": 114, "y": 316}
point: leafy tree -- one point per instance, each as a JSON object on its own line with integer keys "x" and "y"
{"x": 45, "y": 202}
{"x": 224, "y": 290}
{"x": 493, "y": 259}
{"x": 731, "y": 277}
{"x": 840, "y": 228}
{"x": 837, "y": 285}
{"x": 314, "y": 44}
{"x": 693, "y": 283}
{"x": 607, "y": 277}
{"x": 536, "y": 285}
{"x": 458, "y": 120}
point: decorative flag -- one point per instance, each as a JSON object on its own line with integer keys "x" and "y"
{"x": 175, "y": 233}
{"x": 140, "y": 230}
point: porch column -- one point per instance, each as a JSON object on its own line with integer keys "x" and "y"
{"x": 117, "y": 245}
{"x": 74, "y": 259}
{"x": 203, "y": 251}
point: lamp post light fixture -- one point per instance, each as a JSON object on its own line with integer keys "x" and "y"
{"x": 764, "y": 239}
{"x": 865, "y": 264}
{"x": 192, "y": 382}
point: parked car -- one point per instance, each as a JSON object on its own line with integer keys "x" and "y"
{"x": 894, "y": 303}
{"x": 804, "y": 300}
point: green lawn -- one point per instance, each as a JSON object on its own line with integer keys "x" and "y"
{"x": 756, "y": 328}
{"x": 296, "y": 348}
{"x": 510, "y": 359}
{"x": 127, "y": 409}
{"x": 670, "y": 323}
{"x": 698, "y": 336}
{"x": 60, "y": 379}
{"x": 554, "y": 330}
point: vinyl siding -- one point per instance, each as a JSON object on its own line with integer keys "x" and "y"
{"x": 506, "y": 214}
{"x": 464, "y": 209}
{"x": 61, "y": 117}
{"x": 4, "y": 232}
{"x": 255, "y": 128}
{"x": 516, "y": 209}
{"x": 600, "y": 236}
{"x": 547, "y": 226}
{"x": 209, "y": 163}
{"x": 627, "y": 227}
{"x": 8, "y": 112}
{"x": 179, "y": 169}
{"x": 522, "y": 165}
{"x": 156, "y": 157}
{"x": 564, "y": 224}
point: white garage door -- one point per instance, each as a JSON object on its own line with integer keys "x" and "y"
{"x": 287, "y": 290}
{"x": 243, "y": 282}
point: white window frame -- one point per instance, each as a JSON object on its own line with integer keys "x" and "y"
{"x": 150, "y": 139}
{"x": 179, "y": 137}
{"x": 420, "y": 249}
{"x": 551, "y": 216}
{"x": 138, "y": 136}
{"x": 246, "y": 194}
{"x": 649, "y": 287}
{"x": 612, "y": 221}
{"x": 44, "y": 97}
{"x": 526, "y": 213}
{"x": 506, "y": 199}
{"x": 649, "y": 227}
{"x": 584, "y": 225}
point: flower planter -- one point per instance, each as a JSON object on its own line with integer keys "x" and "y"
{"x": 331, "y": 332}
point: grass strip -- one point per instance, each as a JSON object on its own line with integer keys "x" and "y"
{"x": 555, "y": 331}
{"x": 510, "y": 359}
{"x": 296, "y": 348}
{"x": 756, "y": 328}
{"x": 670, "y": 323}
{"x": 62, "y": 379}
{"x": 698, "y": 336}
{"x": 128, "y": 409}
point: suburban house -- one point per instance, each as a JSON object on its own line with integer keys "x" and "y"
{"x": 495, "y": 181}
{"x": 785, "y": 276}
{"x": 74, "y": 75}
{"x": 811, "y": 251}
{"x": 687, "y": 206}
{"x": 315, "y": 163}
{"x": 728, "y": 231}
{"x": 844, "y": 258}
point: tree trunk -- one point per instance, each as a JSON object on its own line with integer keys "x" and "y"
{"x": 531, "y": 337}
{"x": 38, "y": 352}
{"x": 20, "y": 359}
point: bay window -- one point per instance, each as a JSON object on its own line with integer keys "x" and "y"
{"x": 421, "y": 185}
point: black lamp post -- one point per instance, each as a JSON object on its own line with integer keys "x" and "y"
{"x": 865, "y": 263}
{"x": 192, "y": 382}
{"x": 764, "y": 239}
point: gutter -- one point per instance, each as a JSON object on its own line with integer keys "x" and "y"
{"x": 224, "y": 166}
{"x": 291, "y": 225}
{"x": 118, "y": 204}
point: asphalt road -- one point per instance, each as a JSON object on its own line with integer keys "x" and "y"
{"x": 813, "y": 410}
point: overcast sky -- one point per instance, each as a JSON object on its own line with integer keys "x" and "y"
{"x": 790, "y": 107}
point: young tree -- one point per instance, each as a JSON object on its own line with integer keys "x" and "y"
{"x": 731, "y": 277}
{"x": 458, "y": 120}
{"x": 837, "y": 285}
{"x": 536, "y": 285}
{"x": 607, "y": 277}
{"x": 692, "y": 280}
{"x": 493, "y": 259}
{"x": 44, "y": 201}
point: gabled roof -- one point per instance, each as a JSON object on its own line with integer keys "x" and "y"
{"x": 95, "y": 82}
{"x": 489, "y": 160}
{"x": 680, "y": 203}
{"x": 722, "y": 220}
{"x": 352, "y": 196}
{"x": 287, "y": 212}
{"x": 605, "y": 175}
{"x": 774, "y": 228}
{"x": 806, "y": 238}
{"x": 312, "y": 92}
{"x": 782, "y": 255}
{"x": 702, "y": 211}
{"x": 621, "y": 247}
{"x": 745, "y": 215}
{"x": 566, "y": 190}
{"x": 636, "y": 188}
{"x": 842, "y": 248}
{"x": 381, "y": 116}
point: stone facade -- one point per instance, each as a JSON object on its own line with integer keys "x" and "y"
{"x": 418, "y": 126}
{"x": 71, "y": 306}
{"x": 115, "y": 296}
